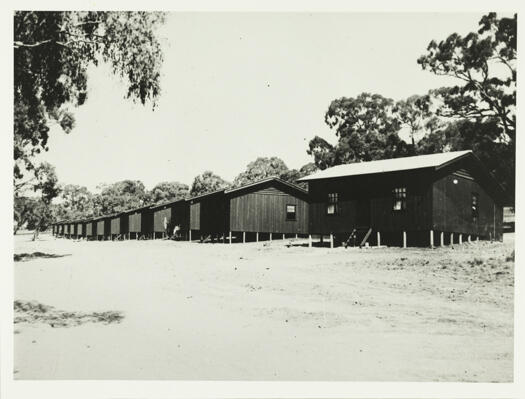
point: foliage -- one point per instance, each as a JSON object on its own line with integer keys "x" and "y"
{"x": 485, "y": 63}
{"x": 120, "y": 196}
{"x": 485, "y": 100}
{"x": 414, "y": 114}
{"x": 169, "y": 191}
{"x": 207, "y": 182}
{"x": 292, "y": 175}
{"x": 259, "y": 169}
{"x": 76, "y": 203}
{"x": 52, "y": 51}
{"x": 366, "y": 127}
{"x": 36, "y": 212}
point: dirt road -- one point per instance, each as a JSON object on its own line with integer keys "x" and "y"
{"x": 262, "y": 311}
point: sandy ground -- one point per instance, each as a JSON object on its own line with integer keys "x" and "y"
{"x": 260, "y": 311}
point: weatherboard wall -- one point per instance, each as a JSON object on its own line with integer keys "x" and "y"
{"x": 263, "y": 209}
{"x": 80, "y": 229}
{"x": 452, "y": 204}
{"x": 366, "y": 201}
{"x": 209, "y": 214}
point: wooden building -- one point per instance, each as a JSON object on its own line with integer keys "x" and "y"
{"x": 423, "y": 200}
{"x": 208, "y": 215}
{"x": 103, "y": 227}
{"x": 91, "y": 229}
{"x": 168, "y": 215}
{"x": 80, "y": 229}
{"x": 270, "y": 208}
{"x": 61, "y": 229}
{"x": 140, "y": 222}
{"x": 119, "y": 226}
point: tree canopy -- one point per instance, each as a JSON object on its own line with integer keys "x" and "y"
{"x": 261, "y": 168}
{"x": 482, "y": 105}
{"x": 120, "y": 196}
{"x": 52, "y": 51}
{"x": 168, "y": 191}
{"x": 366, "y": 128}
{"x": 207, "y": 182}
{"x": 485, "y": 64}
{"x": 35, "y": 212}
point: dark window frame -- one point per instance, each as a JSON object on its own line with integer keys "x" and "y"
{"x": 289, "y": 219}
{"x": 333, "y": 200}
{"x": 399, "y": 196}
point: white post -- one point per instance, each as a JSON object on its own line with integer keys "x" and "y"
{"x": 442, "y": 239}
{"x": 230, "y": 237}
{"x": 404, "y": 239}
{"x": 331, "y": 240}
{"x": 283, "y": 236}
{"x": 461, "y": 238}
{"x": 451, "y": 238}
{"x": 257, "y": 237}
{"x": 468, "y": 239}
{"x": 309, "y": 241}
{"x": 378, "y": 239}
{"x": 270, "y": 236}
{"x": 243, "y": 237}
{"x": 431, "y": 238}
{"x": 189, "y": 236}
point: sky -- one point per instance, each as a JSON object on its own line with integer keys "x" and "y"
{"x": 237, "y": 86}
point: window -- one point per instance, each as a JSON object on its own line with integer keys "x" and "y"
{"x": 400, "y": 198}
{"x": 290, "y": 212}
{"x": 475, "y": 206}
{"x": 331, "y": 207}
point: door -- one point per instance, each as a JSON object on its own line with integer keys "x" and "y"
{"x": 363, "y": 212}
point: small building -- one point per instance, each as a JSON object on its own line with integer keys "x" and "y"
{"x": 80, "y": 229}
{"x": 168, "y": 215}
{"x": 119, "y": 226}
{"x": 91, "y": 229}
{"x": 270, "y": 207}
{"x": 61, "y": 229}
{"x": 140, "y": 222}
{"x": 423, "y": 200}
{"x": 208, "y": 215}
{"x": 103, "y": 229}
{"x": 267, "y": 209}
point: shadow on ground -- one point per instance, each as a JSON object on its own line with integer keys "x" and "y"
{"x": 35, "y": 255}
{"x": 36, "y": 312}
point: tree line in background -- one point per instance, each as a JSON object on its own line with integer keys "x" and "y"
{"x": 77, "y": 202}
{"x": 52, "y": 51}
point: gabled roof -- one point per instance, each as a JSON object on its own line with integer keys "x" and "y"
{"x": 222, "y": 190}
{"x": 167, "y": 203}
{"x": 389, "y": 165}
{"x": 266, "y": 180}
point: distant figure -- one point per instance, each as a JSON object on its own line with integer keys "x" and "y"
{"x": 176, "y": 230}
{"x": 165, "y": 223}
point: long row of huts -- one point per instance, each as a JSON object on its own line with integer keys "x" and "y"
{"x": 434, "y": 200}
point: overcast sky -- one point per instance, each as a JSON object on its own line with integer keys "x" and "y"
{"x": 238, "y": 86}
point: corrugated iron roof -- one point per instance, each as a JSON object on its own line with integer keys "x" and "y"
{"x": 388, "y": 165}
{"x": 265, "y": 180}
